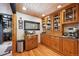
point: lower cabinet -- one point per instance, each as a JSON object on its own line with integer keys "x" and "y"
{"x": 78, "y": 47}
{"x": 61, "y": 45}
{"x": 66, "y": 46}
{"x": 51, "y": 41}
{"x": 44, "y": 39}
{"x": 69, "y": 47}
{"x": 55, "y": 42}
{"x": 31, "y": 42}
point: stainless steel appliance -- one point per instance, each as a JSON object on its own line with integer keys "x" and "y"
{"x": 72, "y": 32}
{"x": 20, "y": 46}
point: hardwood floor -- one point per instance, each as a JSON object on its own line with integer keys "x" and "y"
{"x": 41, "y": 50}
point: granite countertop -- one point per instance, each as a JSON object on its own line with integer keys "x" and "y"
{"x": 62, "y": 36}
{"x": 30, "y": 35}
{"x": 68, "y": 37}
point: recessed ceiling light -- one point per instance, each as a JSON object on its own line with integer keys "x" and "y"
{"x": 24, "y": 8}
{"x": 47, "y": 16}
{"x": 59, "y": 6}
{"x": 43, "y": 15}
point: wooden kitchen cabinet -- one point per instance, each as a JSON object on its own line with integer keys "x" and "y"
{"x": 66, "y": 46}
{"x": 60, "y": 45}
{"x": 70, "y": 13}
{"x": 45, "y": 39}
{"x": 78, "y": 47}
{"x": 56, "y": 21}
{"x": 55, "y": 43}
{"x": 69, "y": 47}
{"x": 31, "y": 42}
{"x": 46, "y": 24}
{"x": 51, "y": 41}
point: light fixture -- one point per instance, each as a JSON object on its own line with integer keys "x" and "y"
{"x": 59, "y": 6}
{"x": 47, "y": 16}
{"x": 24, "y": 8}
{"x": 43, "y": 15}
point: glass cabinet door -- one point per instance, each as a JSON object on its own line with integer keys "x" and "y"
{"x": 46, "y": 24}
{"x": 56, "y": 22}
{"x": 70, "y": 14}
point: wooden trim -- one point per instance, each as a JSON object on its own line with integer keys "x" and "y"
{"x": 14, "y": 33}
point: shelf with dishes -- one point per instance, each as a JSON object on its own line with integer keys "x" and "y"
{"x": 46, "y": 24}
{"x": 70, "y": 14}
{"x": 56, "y": 22}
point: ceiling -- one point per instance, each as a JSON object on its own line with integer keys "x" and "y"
{"x": 37, "y": 9}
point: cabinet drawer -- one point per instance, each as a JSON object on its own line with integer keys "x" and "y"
{"x": 69, "y": 47}
{"x": 78, "y": 48}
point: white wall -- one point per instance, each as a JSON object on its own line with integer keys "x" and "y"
{"x": 20, "y": 32}
{"x": 5, "y": 8}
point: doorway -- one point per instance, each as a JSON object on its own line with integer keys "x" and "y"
{"x": 5, "y": 34}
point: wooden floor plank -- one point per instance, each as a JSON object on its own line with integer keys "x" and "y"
{"x": 48, "y": 51}
{"x": 41, "y": 50}
{"x": 37, "y": 52}
{"x": 31, "y": 53}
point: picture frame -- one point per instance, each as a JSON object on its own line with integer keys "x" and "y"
{"x": 30, "y": 25}
{"x": 20, "y": 23}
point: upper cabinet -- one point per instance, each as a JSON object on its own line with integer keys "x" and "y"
{"x": 70, "y": 13}
{"x": 56, "y": 22}
{"x": 46, "y": 24}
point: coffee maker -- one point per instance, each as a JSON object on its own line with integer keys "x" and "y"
{"x": 72, "y": 32}
{"x": 76, "y": 34}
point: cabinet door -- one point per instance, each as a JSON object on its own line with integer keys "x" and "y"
{"x": 55, "y": 43}
{"x": 31, "y": 42}
{"x": 50, "y": 41}
{"x": 34, "y": 41}
{"x": 61, "y": 45}
{"x": 69, "y": 47}
{"x": 78, "y": 47}
{"x": 42, "y": 38}
{"x": 47, "y": 40}
{"x": 70, "y": 13}
{"x": 27, "y": 44}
